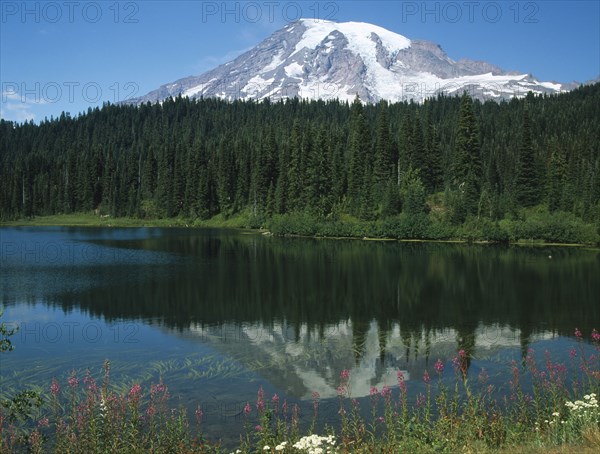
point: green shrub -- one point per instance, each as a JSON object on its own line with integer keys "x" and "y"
{"x": 558, "y": 227}
{"x": 298, "y": 223}
{"x": 407, "y": 226}
{"x": 482, "y": 229}
{"x": 440, "y": 230}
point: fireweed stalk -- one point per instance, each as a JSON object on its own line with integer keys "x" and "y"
{"x": 374, "y": 398}
{"x": 343, "y": 391}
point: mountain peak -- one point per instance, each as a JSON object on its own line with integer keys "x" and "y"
{"x": 360, "y": 34}
{"x": 320, "y": 59}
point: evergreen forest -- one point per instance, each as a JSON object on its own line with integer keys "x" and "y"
{"x": 451, "y": 167}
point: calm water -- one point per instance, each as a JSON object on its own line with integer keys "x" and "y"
{"x": 216, "y": 314}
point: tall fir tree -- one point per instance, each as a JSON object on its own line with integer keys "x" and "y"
{"x": 557, "y": 172}
{"x": 294, "y": 170}
{"x": 383, "y": 166}
{"x": 467, "y": 169}
{"x": 527, "y": 184}
{"x": 358, "y": 145}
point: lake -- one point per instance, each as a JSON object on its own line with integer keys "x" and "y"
{"x": 217, "y": 313}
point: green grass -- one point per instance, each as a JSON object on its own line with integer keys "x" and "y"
{"x": 536, "y": 229}
{"x": 93, "y": 220}
{"x": 237, "y": 221}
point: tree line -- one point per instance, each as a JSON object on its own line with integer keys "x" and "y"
{"x": 450, "y": 158}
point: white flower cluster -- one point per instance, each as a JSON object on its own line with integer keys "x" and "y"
{"x": 589, "y": 401}
{"x": 315, "y": 444}
{"x": 555, "y": 419}
{"x": 102, "y": 407}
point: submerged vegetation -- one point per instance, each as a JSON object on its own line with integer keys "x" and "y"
{"x": 449, "y": 168}
{"x": 545, "y": 406}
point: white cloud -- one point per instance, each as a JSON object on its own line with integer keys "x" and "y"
{"x": 16, "y": 112}
{"x": 15, "y": 107}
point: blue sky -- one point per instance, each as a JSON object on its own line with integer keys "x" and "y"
{"x": 71, "y": 55}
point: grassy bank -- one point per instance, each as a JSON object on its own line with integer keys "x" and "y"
{"x": 532, "y": 228}
{"x": 92, "y": 220}
{"x": 546, "y": 406}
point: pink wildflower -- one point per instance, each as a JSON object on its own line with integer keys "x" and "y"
{"x": 54, "y": 387}
{"x": 439, "y": 367}
{"x": 247, "y": 408}
{"x": 260, "y": 400}
{"x": 483, "y": 376}
{"x": 401, "y": 382}
{"x": 89, "y": 380}
{"x": 578, "y": 333}
{"x": 460, "y": 362}
{"x": 258, "y": 428}
{"x": 158, "y": 388}
{"x": 35, "y": 439}
{"x": 595, "y": 335}
{"x": 426, "y": 377}
{"x": 73, "y": 380}
{"x": 199, "y": 414}
{"x": 151, "y": 411}
{"x": 386, "y": 392}
{"x": 374, "y": 391}
{"x": 135, "y": 392}
{"x": 315, "y": 398}
{"x": 43, "y": 422}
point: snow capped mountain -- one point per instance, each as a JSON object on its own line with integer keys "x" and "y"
{"x": 327, "y": 60}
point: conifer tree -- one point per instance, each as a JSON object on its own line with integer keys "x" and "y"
{"x": 527, "y": 184}
{"x": 556, "y": 175}
{"x": 412, "y": 191}
{"x": 383, "y": 166}
{"x": 358, "y": 144}
{"x": 431, "y": 172}
{"x": 281, "y": 189}
{"x": 467, "y": 168}
{"x": 294, "y": 170}
{"x": 405, "y": 152}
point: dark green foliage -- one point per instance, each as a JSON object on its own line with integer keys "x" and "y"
{"x": 528, "y": 182}
{"x": 358, "y": 169}
{"x": 295, "y": 169}
{"x": 384, "y": 165}
{"x": 556, "y": 178}
{"x": 558, "y": 227}
{"x": 467, "y": 168}
{"x": 412, "y": 193}
{"x": 22, "y": 406}
{"x": 199, "y": 158}
{"x": 391, "y": 202}
{"x": 407, "y": 226}
{"x": 5, "y": 333}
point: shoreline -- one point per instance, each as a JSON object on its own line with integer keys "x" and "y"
{"x": 95, "y": 221}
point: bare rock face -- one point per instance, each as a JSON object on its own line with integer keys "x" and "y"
{"x": 327, "y": 60}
